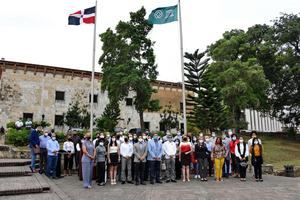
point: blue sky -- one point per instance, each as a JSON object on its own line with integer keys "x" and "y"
{"x": 36, "y": 31}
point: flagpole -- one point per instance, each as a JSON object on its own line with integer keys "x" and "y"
{"x": 182, "y": 69}
{"x": 93, "y": 74}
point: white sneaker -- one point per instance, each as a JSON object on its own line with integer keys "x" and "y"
{"x": 199, "y": 176}
{"x": 196, "y": 176}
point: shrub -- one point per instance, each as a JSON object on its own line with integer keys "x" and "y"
{"x": 11, "y": 125}
{"x": 61, "y": 136}
{"x": 18, "y": 137}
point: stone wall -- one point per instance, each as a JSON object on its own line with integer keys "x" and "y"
{"x": 28, "y": 88}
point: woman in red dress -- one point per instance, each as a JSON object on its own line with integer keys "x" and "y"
{"x": 185, "y": 151}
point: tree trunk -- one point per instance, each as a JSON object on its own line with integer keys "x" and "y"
{"x": 141, "y": 114}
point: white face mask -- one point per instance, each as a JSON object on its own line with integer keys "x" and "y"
{"x": 113, "y": 139}
{"x": 233, "y": 138}
{"x": 130, "y": 138}
{"x": 256, "y": 142}
{"x": 241, "y": 141}
{"x": 140, "y": 140}
{"x": 207, "y": 139}
{"x": 101, "y": 143}
{"x": 201, "y": 141}
{"x": 144, "y": 137}
{"x": 53, "y": 138}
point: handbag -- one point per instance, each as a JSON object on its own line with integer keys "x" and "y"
{"x": 244, "y": 164}
{"x": 36, "y": 150}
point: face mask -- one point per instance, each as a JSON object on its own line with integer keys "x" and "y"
{"x": 207, "y": 140}
{"x": 144, "y": 137}
{"x": 113, "y": 139}
{"x": 45, "y": 134}
{"x": 194, "y": 139}
{"x": 155, "y": 138}
{"x": 101, "y": 143}
{"x": 256, "y": 142}
{"x": 130, "y": 138}
{"x": 126, "y": 139}
{"x": 241, "y": 141}
{"x": 140, "y": 140}
{"x": 201, "y": 141}
{"x": 213, "y": 135}
{"x": 176, "y": 142}
{"x": 233, "y": 138}
{"x": 178, "y": 134}
{"x": 102, "y": 136}
{"x": 53, "y": 138}
{"x": 134, "y": 136}
{"x": 108, "y": 136}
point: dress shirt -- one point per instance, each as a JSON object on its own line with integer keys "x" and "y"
{"x": 43, "y": 141}
{"x": 69, "y": 146}
{"x": 52, "y": 145}
{"x": 169, "y": 149}
{"x": 154, "y": 149}
{"x": 126, "y": 149}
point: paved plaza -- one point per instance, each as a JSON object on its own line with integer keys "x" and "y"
{"x": 272, "y": 188}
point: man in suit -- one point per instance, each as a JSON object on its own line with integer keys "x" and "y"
{"x": 140, "y": 152}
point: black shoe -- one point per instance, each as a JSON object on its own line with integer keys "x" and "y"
{"x": 137, "y": 183}
{"x": 143, "y": 183}
{"x": 123, "y": 182}
{"x": 173, "y": 181}
{"x": 159, "y": 182}
{"x": 130, "y": 182}
{"x": 167, "y": 181}
{"x": 152, "y": 182}
{"x": 261, "y": 180}
{"x": 54, "y": 177}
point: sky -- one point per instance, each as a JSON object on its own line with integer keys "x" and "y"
{"x": 36, "y": 31}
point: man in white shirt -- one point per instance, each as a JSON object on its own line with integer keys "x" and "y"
{"x": 126, "y": 151}
{"x": 169, "y": 150}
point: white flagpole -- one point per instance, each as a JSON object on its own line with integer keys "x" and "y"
{"x": 93, "y": 74}
{"x": 182, "y": 69}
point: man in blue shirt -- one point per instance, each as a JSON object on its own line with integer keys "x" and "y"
{"x": 43, "y": 151}
{"x": 52, "y": 148}
{"x": 34, "y": 143}
{"x": 154, "y": 158}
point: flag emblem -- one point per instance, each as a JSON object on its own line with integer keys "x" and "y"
{"x": 86, "y": 16}
{"x": 163, "y": 15}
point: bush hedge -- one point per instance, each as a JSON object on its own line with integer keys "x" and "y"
{"x": 18, "y": 137}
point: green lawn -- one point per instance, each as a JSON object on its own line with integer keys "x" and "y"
{"x": 280, "y": 152}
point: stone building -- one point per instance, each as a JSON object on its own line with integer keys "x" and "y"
{"x": 45, "y": 92}
{"x": 39, "y": 91}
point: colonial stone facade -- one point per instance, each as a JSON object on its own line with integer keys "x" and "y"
{"x": 38, "y": 91}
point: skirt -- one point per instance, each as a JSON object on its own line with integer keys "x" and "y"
{"x": 185, "y": 159}
{"x": 114, "y": 159}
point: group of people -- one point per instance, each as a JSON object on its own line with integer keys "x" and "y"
{"x": 137, "y": 158}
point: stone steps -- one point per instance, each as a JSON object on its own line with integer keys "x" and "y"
{"x": 14, "y": 162}
{"x": 23, "y": 185}
{"x": 14, "y": 171}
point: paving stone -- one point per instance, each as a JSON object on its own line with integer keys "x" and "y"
{"x": 272, "y": 188}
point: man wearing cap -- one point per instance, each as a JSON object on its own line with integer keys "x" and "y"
{"x": 169, "y": 150}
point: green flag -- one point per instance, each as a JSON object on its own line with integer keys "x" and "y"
{"x": 163, "y": 15}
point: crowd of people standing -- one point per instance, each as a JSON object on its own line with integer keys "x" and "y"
{"x": 137, "y": 158}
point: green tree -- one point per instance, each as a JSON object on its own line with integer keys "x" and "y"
{"x": 205, "y": 109}
{"x": 238, "y": 74}
{"x": 77, "y": 116}
{"x": 128, "y": 62}
{"x": 109, "y": 118}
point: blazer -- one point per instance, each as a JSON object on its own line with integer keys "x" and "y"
{"x": 139, "y": 151}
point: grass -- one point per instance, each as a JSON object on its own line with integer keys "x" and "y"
{"x": 280, "y": 152}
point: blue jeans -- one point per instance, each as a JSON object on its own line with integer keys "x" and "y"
{"x": 51, "y": 166}
{"x": 33, "y": 157}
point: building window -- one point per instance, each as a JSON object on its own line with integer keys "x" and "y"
{"x": 129, "y": 101}
{"x": 28, "y": 116}
{"x": 95, "y": 98}
{"x": 59, "y": 120}
{"x": 181, "y": 107}
{"x": 147, "y": 125}
{"x": 59, "y": 95}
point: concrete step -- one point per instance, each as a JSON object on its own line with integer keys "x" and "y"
{"x": 15, "y": 171}
{"x": 14, "y": 162}
{"x": 23, "y": 185}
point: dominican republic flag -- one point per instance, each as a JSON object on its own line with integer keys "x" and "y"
{"x": 86, "y": 16}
